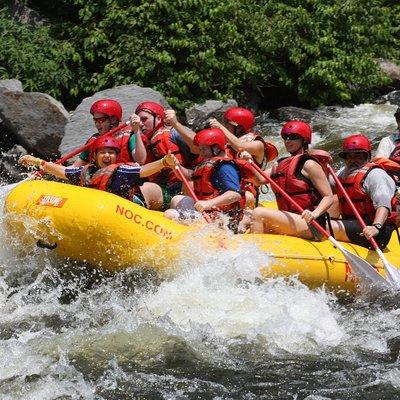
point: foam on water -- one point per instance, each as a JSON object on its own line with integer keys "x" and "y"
{"x": 366, "y": 118}
{"x": 223, "y": 294}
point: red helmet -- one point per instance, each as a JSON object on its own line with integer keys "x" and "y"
{"x": 108, "y": 107}
{"x": 242, "y": 116}
{"x": 105, "y": 142}
{"x": 355, "y": 144}
{"x": 299, "y": 128}
{"x": 210, "y": 137}
{"x": 152, "y": 108}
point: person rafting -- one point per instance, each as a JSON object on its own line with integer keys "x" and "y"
{"x": 372, "y": 191}
{"x": 238, "y": 129}
{"x": 107, "y": 115}
{"x": 303, "y": 178}
{"x": 216, "y": 181}
{"x": 158, "y": 141}
{"x": 387, "y": 144}
{"x": 105, "y": 173}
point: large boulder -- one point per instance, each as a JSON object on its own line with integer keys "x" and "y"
{"x": 292, "y": 113}
{"x": 34, "y": 120}
{"x": 197, "y": 116}
{"x": 80, "y": 125}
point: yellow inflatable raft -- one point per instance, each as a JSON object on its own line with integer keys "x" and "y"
{"x": 110, "y": 232}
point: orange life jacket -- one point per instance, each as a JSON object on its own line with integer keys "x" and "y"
{"x": 202, "y": 180}
{"x": 123, "y": 137}
{"x": 157, "y": 147}
{"x": 100, "y": 178}
{"x": 353, "y": 185}
{"x": 287, "y": 174}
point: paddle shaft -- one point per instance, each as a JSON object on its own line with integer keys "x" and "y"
{"x": 90, "y": 143}
{"x": 190, "y": 190}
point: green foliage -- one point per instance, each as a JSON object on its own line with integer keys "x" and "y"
{"x": 324, "y": 51}
{"x": 32, "y": 56}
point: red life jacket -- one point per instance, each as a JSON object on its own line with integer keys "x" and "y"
{"x": 202, "y": 180}
{"x": 100, "y": 178}
{"x": 270, "y": 152}
{"x": 157, "y": 147}
{"x": 123, "y": 137}
{"x": 353, "y": 185}
{"x": 287, "y": 174}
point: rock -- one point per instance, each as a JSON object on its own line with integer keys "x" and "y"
{"x": 197, "y": 116}
{"x": 35, "y": 120}
{"x": 389, "y": 68}
{"x": 6, "y": 140}
{"x": 24, "y": 14}
{"x": 394, "y": 97}
{"x": 11, "y": 84}
{"x": 10, "y": 170}
{"x": 80, "y": 125}
{"x": 284, "y": 114}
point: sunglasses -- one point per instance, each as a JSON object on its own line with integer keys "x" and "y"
{"x": 100, "y": 120}
{"x": 292, "y": 136}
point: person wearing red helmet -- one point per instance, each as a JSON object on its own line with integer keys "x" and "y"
{"x": 238, "y": 129}
{"x": 302, "y": 177}
{"x": 105, "y": 173}
{"x": 107, "y": 115}
{"x": 372, "y": 191}
{"x": 158, "y": 140}
{"x": 216, "y": 181}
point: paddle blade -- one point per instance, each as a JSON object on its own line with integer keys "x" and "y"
{"x": 364, "y": 270}
{"x": 392, "y": 273}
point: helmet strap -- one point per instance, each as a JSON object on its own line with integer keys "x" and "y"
{"x": 215, "y": 153}
{"x": 113, "y": 121}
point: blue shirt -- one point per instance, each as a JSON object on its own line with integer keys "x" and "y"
{"x": 184, "y": 148}
{"x": 122, "y": 181}
{"x": 226, "y": 176}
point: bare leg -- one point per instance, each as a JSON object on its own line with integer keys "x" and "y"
{"x": 182, "y": 210}
{"x": 244, "y": 224}
{"x": 339, "y": 231}
{"x": 266, "y": 220}
{"x": 152, "y": 194}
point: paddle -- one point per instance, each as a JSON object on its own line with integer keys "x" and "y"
{"x": 90, "y": 143}
{"x": 38, "y": 174}
{"x": 392, "y": 273}
{"x": 190, "y": 190}
{"x": 360, "y": 267}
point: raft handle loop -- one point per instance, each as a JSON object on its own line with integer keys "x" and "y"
{"x": 43, "y": 245}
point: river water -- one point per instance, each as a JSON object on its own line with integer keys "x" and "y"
{"x": 211, "y": 330}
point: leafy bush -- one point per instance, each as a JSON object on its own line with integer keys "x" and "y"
{"x": 319, "y": 51}
{"x": 32, "y": 56}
